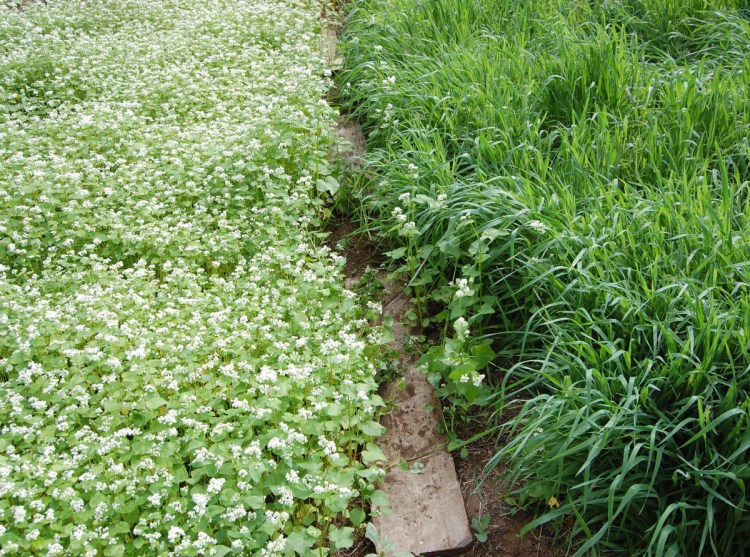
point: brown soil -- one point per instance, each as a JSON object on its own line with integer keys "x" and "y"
{"x": 503, "y": 528}
{"x": 360, "y": 252}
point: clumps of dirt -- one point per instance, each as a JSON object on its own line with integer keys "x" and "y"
{"x": 503, "y": 528}
{"x": 360, "y": 252}
{"x": 362, "y": 547}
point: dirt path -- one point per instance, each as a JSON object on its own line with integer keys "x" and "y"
{"x": 501, "y": 528}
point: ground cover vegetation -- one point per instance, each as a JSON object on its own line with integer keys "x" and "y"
{"x": 182, "y": 371}
{"x": 566, "y": 185}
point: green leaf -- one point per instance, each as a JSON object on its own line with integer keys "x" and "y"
{"x": 450, "y": 244}
{"x": 484, "y": 309}
{"x": 314, "y": 532}
{"x": 475, "y": 247}
{"x": 357, "y": 516}
{"x": 485, "y": 520}
{"x": 373, "y": 429}
{"x": 371, "y": 533}
{"x": 180, "y": 474}
{"x": 482, "y": 355}
{"x": 299, "y": 542}
{"x": 328, "y": 184}
{"x": 379, "y": 498}
{"x": 425, "y": 251}
{"x": 114, "y": 550}
{"x": 254, "y": 501}
{"x": 334, "y": 409}
{"x": 221, "y": 550}
{"x": 155, "y": 402}
{"x": 429, "y": 201}
{"x": 341, "y": 538}
{"x": 397, "y": 253}
{"x": 373, "y": 453}
{"x": 416, "y": 468}
{"x": 492, "y": 233}
{"x": 464, "y": 369}
{"x": 338, "y": 504}
{"x": 120, "y": 528}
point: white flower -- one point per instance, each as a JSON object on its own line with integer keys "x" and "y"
{"x": 285, "y": 496}
{"x": 462, "y": 288}
{"x": 163, "y": 289}
{"x": 215, "y": 485}
{"x": 276, "y": 443}
{"x": 19, "y": 514}
{"x": 200, "y": 499}
{"x": 461, "y": 327}
{"x": 398, "y": 214}
{"x": 175, "y": 534}
{"x": 329, "y": 447}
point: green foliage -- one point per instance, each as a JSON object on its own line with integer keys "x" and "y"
{"x": 480, "y": 527}
{"x": 568, "y": 183}
{"x": 182, "y": 371}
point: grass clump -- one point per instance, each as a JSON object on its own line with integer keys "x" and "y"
{"x": 568, "y": 181}
{"x": 182, "y": 371}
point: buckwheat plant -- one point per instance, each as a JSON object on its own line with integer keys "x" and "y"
{"x": 181, "y": 370}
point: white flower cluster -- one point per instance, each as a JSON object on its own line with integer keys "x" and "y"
{"x": 461, "y": 327}
{"x": 476, "y": 380}
{"x": 463, "y": 288}
{"x": 170, "y": 330}
{"x": 538, "y": 226}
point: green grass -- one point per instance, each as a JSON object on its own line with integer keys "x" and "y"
{"x": 585, "y": 166}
